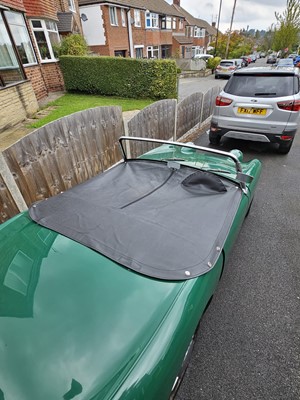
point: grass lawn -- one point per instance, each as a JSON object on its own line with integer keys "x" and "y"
{"x": 71, "y": 102}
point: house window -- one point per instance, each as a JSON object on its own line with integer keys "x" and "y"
{"x": 174, "y": 23}
{"x": 189, "y": 31}
{"x": 151, "y": 20}
{"x": 72, "y": 5}
{"x": 139, "y": 52}
{"x": 113, "y": 16}
{"x": 198, "y": 32}
{"x": 20, "y": 34}
{"x": 46, "y": 35}
{"x": 166, "y": 23}
{"x": 123, "y": 17}
{"x": 10, "y": 69}
{"x": 152, "y": 52}
{"x": 137, "y": 18}
{"x": 165, "y": 51}
{"x": 180, "y": 23}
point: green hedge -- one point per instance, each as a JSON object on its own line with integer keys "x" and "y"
{"x": 123, "y": 77}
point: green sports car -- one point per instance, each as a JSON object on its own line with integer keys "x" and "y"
{"x": 103, "y": 286}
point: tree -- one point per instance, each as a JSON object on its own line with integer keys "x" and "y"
{"x": 73, "y": 45}
{"x": 240, "y": 44}
{"x": 288, "y": 28}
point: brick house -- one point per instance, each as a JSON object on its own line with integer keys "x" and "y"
{"x": 200, "y": 32}
{"x": 132, "y": 28}
{"x": 29, "y": 69}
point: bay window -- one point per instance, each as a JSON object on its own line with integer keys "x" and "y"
{"x": 151, "y": 20}
{"x": 10, "y": 69}
{"x": 21, "y": 37}
{"x": 46, "y": 36}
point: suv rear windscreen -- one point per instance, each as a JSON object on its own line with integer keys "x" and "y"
{"x": 226, "y": 63}
{"x": 262, "y": 85}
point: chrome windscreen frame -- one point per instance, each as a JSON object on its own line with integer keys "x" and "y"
{"x": 240, "y": 176}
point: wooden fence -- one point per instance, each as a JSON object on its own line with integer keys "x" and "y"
{"x": 75, "y": 148}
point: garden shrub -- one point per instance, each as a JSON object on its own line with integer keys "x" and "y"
{"x": 73, "y": 45}
{"x": 212, "y": 63}
{"x": 117, "y": 76}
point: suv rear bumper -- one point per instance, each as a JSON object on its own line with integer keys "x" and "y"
{"x": 286, "y": 136}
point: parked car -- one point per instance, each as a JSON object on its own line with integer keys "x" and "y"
{"x": 262, "y": 54}
{"x": 240, "y": 63}
{"x": 297, "y": 61}
{"x": 246, "y": 59}
{"x": 285, "y": 62}
{"x": 225, "y": 68}
{"x": 272, "y": 59}
{"x": 204, "y": 57}
{"x": 103, "y": 286}
{"x": 258, "y": 104}
{"x": 253, "y": 57}
{"x": 292, "y": 56}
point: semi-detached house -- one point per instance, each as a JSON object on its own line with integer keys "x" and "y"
{"x": 130, "y": 28}
{"x": 29, "y": 69}
{"x": 143, "y": 29}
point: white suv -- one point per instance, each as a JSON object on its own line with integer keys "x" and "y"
{"x": 259, "y": 104}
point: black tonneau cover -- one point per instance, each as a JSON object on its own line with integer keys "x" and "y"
{"x": 162, "y": 222}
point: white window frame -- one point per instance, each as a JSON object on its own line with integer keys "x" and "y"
{"x": 137, "y": 18}
{"x": 72, "y": 6}
{"x": 46, "y": 32}
{"x": 180, "y": 24}
{"x": 25, "y": 30}
{"x": 154, "y": 51}
{"x": 152, "y": 20}
{"x": 123, "y": 17}
{"x": 199, "y": 32}
{"x": 140, "y": 48}
{"x": 113, "y": 16}
{"x": 174, "y": 23}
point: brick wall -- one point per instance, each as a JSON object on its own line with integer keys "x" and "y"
{"x": 116, "y": 36}
{"x": 53, "y": 77}
{"x": 15, "y": 4}
{"x": 17, "y": 103}
{"x": 41, "y": 8}
{"x": 34, "y": 74}
{"x": 45, "y": 78}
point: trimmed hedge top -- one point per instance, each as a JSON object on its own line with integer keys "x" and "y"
{"x": 123, "y": 77}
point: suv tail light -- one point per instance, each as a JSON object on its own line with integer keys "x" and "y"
{"x": 232, "y": 68}
{"x": 292, "y": 105}
{"x": 223, "y": 101}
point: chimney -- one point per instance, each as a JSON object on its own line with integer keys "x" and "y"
{"x": 213, "y": 24}
{"x": 176, "y": 3}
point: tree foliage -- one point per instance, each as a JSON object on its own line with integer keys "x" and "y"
{"x": 72, "y": 45}
{"x": 240, "y": 44}
{"x": 288, "y": 26}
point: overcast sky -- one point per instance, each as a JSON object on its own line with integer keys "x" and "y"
{"x": 257, "y": 14}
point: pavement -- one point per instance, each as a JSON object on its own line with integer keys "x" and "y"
{"x": 15, "y": 133}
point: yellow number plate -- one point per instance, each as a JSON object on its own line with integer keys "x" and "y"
{"x": 254, "y": 111}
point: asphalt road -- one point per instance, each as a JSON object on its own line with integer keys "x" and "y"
{"x": 248, "y": 344}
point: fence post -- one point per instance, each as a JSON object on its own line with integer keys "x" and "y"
{"x": 11, "y": 185}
